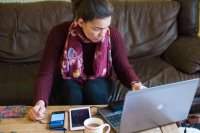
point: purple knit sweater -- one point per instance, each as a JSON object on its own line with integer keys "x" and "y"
{"x": 50, "y": 63}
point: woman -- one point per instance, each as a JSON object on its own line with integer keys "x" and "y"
{"x": 83, "y": 53}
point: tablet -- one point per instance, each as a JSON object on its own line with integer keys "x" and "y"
{"x": 78, "y": 116}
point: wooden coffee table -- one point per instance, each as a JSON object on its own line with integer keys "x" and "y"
{"x": 25, "y": 125}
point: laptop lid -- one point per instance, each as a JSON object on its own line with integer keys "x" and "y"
{"x": 157, "y": 106}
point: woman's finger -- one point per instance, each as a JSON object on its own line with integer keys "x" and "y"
{"x": 41, "y": 112}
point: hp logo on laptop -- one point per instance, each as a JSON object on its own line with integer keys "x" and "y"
{"x": 159, "y": 107}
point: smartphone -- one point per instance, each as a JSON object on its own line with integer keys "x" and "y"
{"x": 78, "y": 116}
{"x": 57, "y": 120}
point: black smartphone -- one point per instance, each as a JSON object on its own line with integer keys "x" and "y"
{"x": 57, "y": 120}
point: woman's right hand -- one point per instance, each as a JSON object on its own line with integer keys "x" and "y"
{"x": 38, "y": 111}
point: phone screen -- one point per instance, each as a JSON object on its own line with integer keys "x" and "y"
{"x": 57, "y": 119}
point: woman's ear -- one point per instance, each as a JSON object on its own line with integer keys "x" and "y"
{"x": 80, "y": 22}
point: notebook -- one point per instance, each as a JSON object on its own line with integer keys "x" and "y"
{"x": 153, "y": 107}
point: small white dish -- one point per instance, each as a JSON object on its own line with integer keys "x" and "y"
{"x": 189, "y": 130}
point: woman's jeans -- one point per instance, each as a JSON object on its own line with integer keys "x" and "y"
{"x": 69, "y": 92}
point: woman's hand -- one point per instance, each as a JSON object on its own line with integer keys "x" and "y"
{"x": 38, "y": 111}
{"x": 137, "y": 86}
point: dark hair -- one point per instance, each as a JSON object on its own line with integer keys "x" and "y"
{"x": 91, "y": 9}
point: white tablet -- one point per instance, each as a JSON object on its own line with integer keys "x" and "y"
{"x": 78, "y": 116}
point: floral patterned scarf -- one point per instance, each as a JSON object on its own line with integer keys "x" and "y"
{"x": 72, "y": 63}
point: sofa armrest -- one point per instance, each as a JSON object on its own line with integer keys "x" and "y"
{"x": 188, "y": 17}
{"x": 184, "y": 54}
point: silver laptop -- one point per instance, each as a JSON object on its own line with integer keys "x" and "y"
{"x": 153, "y": 107}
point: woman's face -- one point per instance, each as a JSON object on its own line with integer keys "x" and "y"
{"x": 96, "y": 29}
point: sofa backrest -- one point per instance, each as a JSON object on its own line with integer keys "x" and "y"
{"x": 24, "y": 28}
{"x": 148, "y": 27}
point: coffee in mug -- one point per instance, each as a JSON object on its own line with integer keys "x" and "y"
{"x": 95, "y": 125}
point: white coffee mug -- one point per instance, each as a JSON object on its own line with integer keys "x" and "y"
{"x": 95, "y": 125}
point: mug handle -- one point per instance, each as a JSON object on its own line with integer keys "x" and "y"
{"x": 106, "y": 125}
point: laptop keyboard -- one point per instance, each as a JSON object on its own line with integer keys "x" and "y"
{"x": 114, "y": 119}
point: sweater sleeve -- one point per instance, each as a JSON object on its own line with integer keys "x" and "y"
{"x": 122, "y": 68}
{"x": 50, "y": 62}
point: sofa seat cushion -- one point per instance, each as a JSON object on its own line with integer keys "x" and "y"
{"x": 154, "y": 72}
{"x": 184, "y": 54}
{"x": 17, "y": 83}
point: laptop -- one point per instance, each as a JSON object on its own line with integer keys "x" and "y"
{"x": 152, "y": 107}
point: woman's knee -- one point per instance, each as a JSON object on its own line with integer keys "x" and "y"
{"x": 71, "y": 93}
{"x": 97, "y": 91}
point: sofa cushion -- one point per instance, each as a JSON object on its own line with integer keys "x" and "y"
{"x": 188, "y": 17}
{"x": 184, "y": 54}
{"x": 17, "y": 83}
{"x": 25, "y": 26}
{"x": 154, "y": 72}
{"x": 148, "y": 27}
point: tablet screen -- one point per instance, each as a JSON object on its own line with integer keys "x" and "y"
{"x": 78, "y": 116}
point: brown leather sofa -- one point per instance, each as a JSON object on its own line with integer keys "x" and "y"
{"x": 160, "y": 36}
